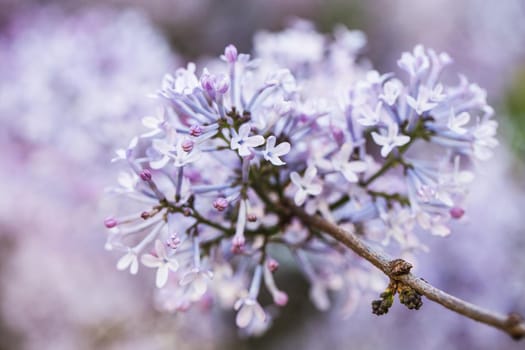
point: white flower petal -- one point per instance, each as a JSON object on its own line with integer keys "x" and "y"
{"x": 315, "y": 189}
{"x": 254, "y": 141}
{"x": 160, "y": 163}
{"x": 150, "y": 261}
{"x": 173, "y": 265}
{"x": 385, "y": 150}
{"x": 160, "y": 249}
{"x": 258, "y": 312}
{"x": 379, "y": 139}
{"x": 300, "y": 197}
{"x": 270, "y": 142}
{"x": 358, "y": 166}
{"x": 134, "y": 267}
{"x": 440, "y": 230}
{"x": 401, "y": 140}
{"x": 282, "y": 149}
{"x": 296, "y": 178}
{"x": 244, "y": 316}
{"x": 349, "y": 174}
{"x": 310, "y": 174}
{"x": 244, "y": 130}
{"x": 200, "y": 285}
{"x": 162, "y": 276}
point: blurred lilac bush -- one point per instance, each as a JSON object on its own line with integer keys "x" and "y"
{"x": 301, "y": 122}
{"x": 70, "y": 87}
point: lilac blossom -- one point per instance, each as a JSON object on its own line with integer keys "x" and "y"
{"x": 391, "y": 140}
{"x": 161, "y": 262}
{"x": 244, "y": 143}
{"x": 306, "y": 185}
{"x": 237, "y": 146}
{"x": 272, "y": 152}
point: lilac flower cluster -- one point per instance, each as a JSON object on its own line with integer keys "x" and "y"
{"x": 233, "y": 147}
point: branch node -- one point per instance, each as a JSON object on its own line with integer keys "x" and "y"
{"x": 399, "y": 267}
{"x": 513, "y": 322}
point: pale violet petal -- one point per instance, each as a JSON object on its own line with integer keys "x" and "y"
{"x": 162, "y": 276}
{"x": 150, "y": 261}
{"x": 244, "y": 316}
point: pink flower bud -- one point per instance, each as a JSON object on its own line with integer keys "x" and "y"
{"x": 457, "y": 212}
{"x": 272, "y": 264}
{"x": 196, "y": 130}
{"x": 238, "y": 244}
{"x": 110, "y": 222}
{"x": 338, "y": 135}
{"x": 207, "y": 83}
{"x": 145, "y": 175}
{"x": 187, "y": 145}
{"x": 173, "y": 242}
{"x": 230, "y": 53}
{"x": 220, "y": 203}
{"x": 280, "y": 298}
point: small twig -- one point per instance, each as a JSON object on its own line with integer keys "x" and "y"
{"x": 399, "y": 270}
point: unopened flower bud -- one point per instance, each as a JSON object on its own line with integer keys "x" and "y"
{"x": 110, "y": 222}
{"x": 173, "y": 242}
{"x": 207, "y": 83}
{"x": 145, "y": 175}
{"x": 230, "y": 53}
{"x": 196, "y": 130}
{"x": 220, "y": 203}
{"x": 272, "y": 264}
{"x": 280, "y": 298}
{"x": 187, "y": 145}
{"x": 457, "y": 212}
{"x": 238, "y": 244}
{"x": 338, "y": 135}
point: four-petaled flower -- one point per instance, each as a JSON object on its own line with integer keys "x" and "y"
{"x": 391, "y": 91}
{"x": 349, "y": 169}
{"x": 367, "y": 116}
{"x": 457, "y": 123}
{"x": 197, "y": 282}
{"x": 391, "y": 139}
{"x": 162, "y": 262}
{"x": 306, "y": 185}
{"x": 248, "y": 311}
{"x": 424, "y": 101}
{"x": 243, "y": 143}
{"x": 272, "y": 152}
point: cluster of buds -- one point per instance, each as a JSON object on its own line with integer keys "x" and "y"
{"x": 410, "y": 297}
{"x": 407, "y": 296}
{"x": 381, "y": 306}
{"x": 232, "y": 148}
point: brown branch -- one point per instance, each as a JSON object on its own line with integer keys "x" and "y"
{"x": 398, "y": 270}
